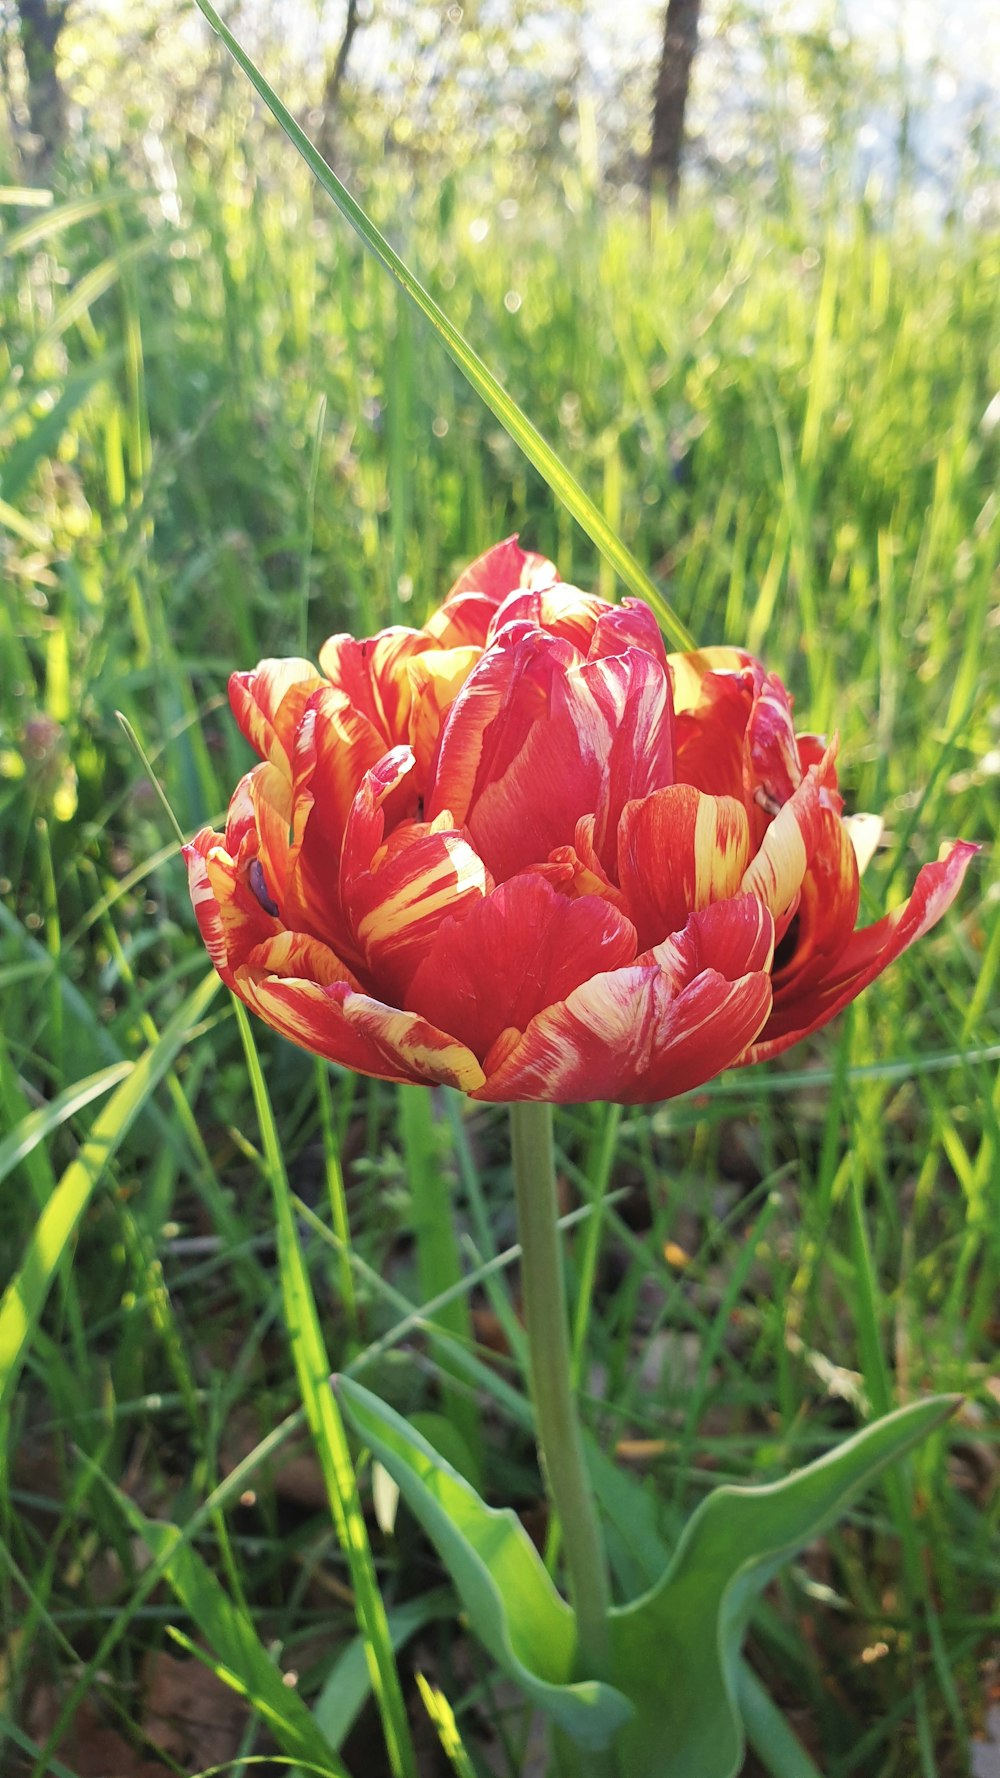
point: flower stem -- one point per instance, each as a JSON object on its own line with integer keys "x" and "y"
{"x": 559, "y": 1438}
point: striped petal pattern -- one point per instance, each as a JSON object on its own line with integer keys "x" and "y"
{"x": 525, "y": 853}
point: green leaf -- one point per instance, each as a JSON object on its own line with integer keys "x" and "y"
{"x": 676, "y": 1650}
{"x": 24, "y": 1298}
{"x": 639, "y": 1551}
{"x": 240, "y": 1658}
{"x": 35, "y": 1126}
{"x": 538, "y": 452}
{"x": 512, "y": 1604}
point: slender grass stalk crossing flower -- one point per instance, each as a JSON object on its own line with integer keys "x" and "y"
{"x": 524, "y": 852}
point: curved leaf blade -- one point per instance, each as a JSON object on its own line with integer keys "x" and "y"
{"x": 676, "y": 1650}
{"x": 511, "y": 1602}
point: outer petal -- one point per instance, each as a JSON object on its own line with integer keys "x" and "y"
{"x": 628, "y": 1037}
{"x": 826, "y": 913}
{"x": 230, "y": 917}
{"x": 678, "y": 851}
{"x": 268, "y": 703}
{"x": 468, "y": 610}
{"x": 865, "y": 956}
{"x": 667, "y": 1023}
{"x": 333, "y": 1020}
{"x": 732, "y": 937}
{"x": 514, "y": 953}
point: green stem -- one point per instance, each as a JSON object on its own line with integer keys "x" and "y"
{"x": 559, "y": 1437}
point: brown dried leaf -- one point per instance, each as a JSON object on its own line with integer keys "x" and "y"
{"x": 190, "y": 1714}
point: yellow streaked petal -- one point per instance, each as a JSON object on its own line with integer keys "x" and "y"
{"x": 436, "y": 677}
{"x": 721, "y": 849}
{"x": 435, "y": 1057}
{"x": 689, "y": 670}
{"x": 776, "y": 874}
{"x": 436, "y": 888}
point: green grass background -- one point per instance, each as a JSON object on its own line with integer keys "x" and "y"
{"x": 222, "y": 436}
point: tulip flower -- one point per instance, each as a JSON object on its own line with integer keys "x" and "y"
{"x": 524, "y": 852}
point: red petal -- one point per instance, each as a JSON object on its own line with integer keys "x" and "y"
{"x": 396, "y": 911}
{"x": 469, "y": 720}
{"x": 628, "y": 625}
{"x": 333, "y": 1020}
{"x": 773, "y": 769}
{"x": 709, "y": 739}
{"x": 396, "y": 895}
{"x": 826, "y": 913}
{"x": 513, "y": 954}
{"x": 696, "y": 675}
{"x": 734, "y": 938}
{"x": 230, "y": 917}
{"x": 633, "y": 701}
{"x": 569, "y": 738}
{"x": 865, "y": 955}
{"x": 679, "y": 850}
{"x": 241, "y": 817}
{"x": 436, "y": 678}
{"x": 777, "y": 871}
{"x": 269, "y": 702}
{"x": 335, "y": 747}
{"x": 365, "y": 828}
{"x": 467, "y": 612}
{"x": 559, "y": 610}
{"x": 629, "y": 1037}
{"x": 373, "y": 676}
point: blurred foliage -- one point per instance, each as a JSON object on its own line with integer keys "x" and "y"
{"x": 823, "y": 99}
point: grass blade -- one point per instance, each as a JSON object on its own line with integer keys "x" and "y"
{"x": 240, "y": 1658}
{"x": 40, "y": 1124}
{"x": 24, "y": 1298}
{"x": 313, "y": 1371}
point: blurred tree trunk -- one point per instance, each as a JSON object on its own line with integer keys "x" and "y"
{"x": 680, "y": 40}
{"x": 41, "y": 22}
{"x": 334, "y": 82}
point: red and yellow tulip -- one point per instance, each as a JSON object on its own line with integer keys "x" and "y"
{"x": 524, "y": 852}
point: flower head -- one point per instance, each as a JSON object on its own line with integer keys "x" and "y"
{"x": 524, "y": 852}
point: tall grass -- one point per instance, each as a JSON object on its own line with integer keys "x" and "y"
{"x": 222, "y": 431}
